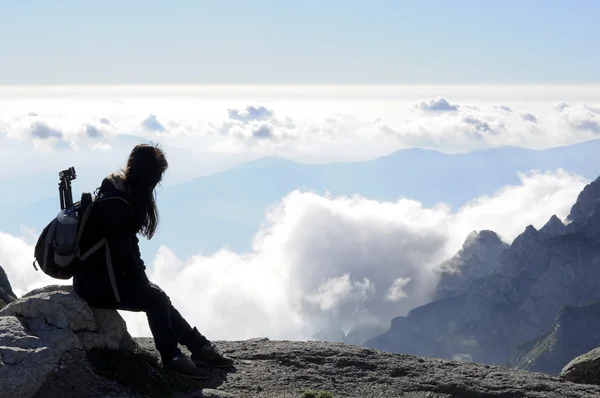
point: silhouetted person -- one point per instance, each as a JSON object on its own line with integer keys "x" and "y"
{"x": 126, "y": 286}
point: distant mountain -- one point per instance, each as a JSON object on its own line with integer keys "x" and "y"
{"x": 226, "y": 208}
{"x": 478, "y": 256}
{"x": 518, "y": 301}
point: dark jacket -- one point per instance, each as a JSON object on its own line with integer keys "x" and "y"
{"x": 112, "y": 220}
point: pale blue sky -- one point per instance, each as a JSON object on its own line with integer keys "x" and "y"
{"x": 267, "y": 41}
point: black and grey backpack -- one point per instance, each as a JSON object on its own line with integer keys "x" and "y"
{"x": 57, "y": 251}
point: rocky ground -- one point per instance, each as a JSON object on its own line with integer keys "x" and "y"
{"x": 284, "y": 369}
{"x": 52, "y": 344}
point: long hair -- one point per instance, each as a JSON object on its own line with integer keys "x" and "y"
{"x": 145, "y": 168}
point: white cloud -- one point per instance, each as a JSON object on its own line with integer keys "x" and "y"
{"x": 151, "y": 123}
{"x": 251, "y": 113}
{"x": 439, "y": 104}
{"x": 322, "y": 261}
{"x": 101, "y": 146}
{"x": 254, "y": 128}
{"x": 581, "y": 117}
{"x": 352, "y": 128}
{"x": 451, "y": 127}
{"x": 42, "y": 131}
{"x": 297, "y": 127}
{"x": 396, "y": 291}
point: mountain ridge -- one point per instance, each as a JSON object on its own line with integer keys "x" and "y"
{"x": 541, "y": 272}
{"x": 230, "y": 205}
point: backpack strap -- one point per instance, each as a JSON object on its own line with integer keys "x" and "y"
{"x": 84, "y": 218}
{"x": 48, "y": 244}
{"x": 102, "y": 242}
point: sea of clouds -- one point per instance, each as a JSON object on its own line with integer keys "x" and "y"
{"x": 316, "y": 261}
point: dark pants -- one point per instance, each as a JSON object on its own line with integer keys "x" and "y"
{"x": 167, "y": 325}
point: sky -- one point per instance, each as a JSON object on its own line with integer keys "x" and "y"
{"x": 283, "y": 42}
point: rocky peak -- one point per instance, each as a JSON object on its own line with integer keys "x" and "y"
{"x": 553, "y": 227}
{"x": 525, "y": 238}
{"x": 585, "y": 203}
{"x": 477, "y": 244}
{"x": 483, "y": 237}
{"x": 479, "y": 254}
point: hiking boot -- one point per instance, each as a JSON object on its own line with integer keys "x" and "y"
{"x": 183, "y": 365}
{"x": 205, "y": 353}
{"x": 209, "y": 355}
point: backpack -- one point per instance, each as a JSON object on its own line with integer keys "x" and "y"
{"x": 57, "y": 250}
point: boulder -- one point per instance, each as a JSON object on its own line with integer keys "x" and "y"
{"x": 584, "y": 369}
{"x": 45, "y": 326}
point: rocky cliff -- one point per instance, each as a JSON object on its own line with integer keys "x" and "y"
{"x": 577, "y": 331}
{"x": 478, "y": 256}
{"x": 518, "y": 301}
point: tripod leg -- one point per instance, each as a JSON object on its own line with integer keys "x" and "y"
{"x": 61, "y": 193}
{"x": 70, "y": 196}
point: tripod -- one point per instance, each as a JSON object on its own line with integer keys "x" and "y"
{"x": 64, "y": 187}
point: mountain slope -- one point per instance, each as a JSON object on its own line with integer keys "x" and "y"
{"x": 577, "y": 331}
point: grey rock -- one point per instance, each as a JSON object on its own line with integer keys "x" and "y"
{"x": 590, "y": 227}
{"x": 583, "y": 369}
{"x": 111, "y": 332}
{"x": 49, "y": 289}
{"x": 210, "y": 393}
{"x": 586, "y": 200}
{"x": 478, "y": 256}
{"x": 40, "y": 328}
{"x": 554, "y": 227}
{"x": 284, "y": 368}
{"x": 74, "y": 377}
